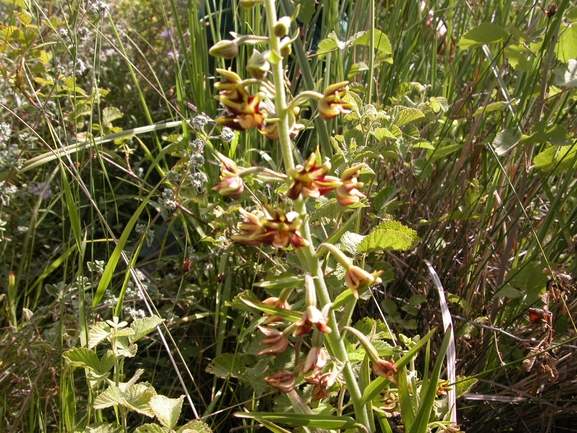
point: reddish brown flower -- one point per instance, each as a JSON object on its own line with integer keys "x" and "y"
{"x": 312, "y": 317}
{"x": 316, "y": 360}
{"x": 284, "y": 381}
{"x": 274, "y": 339}
{"x": 385, "y": 369}
{"x": 278, "y": 230}
{"x": 275, "y": 302}
{"x": 232, "y": 185}
{"x": 244, "y": 108}
{"x": 348, "y": 192}
{"x": 332, "y": 104}
{"x": 359, "y": 279}
{"x": 321, "y": 383}
{"x": 311, "y": 180}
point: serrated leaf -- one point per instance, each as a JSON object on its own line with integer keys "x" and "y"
{"x": 519, "y": 57}
{"x": 329, "y": 44}
{"x": 505, "y": 141}
{"x": 20, "y": 3}
{"x": 111, "y": 396}
{"x": 195, "y": 426}
{"x": 110, "y": 114}
{"x": 167, "y": 410}
{"x": 306, "y": 11}
{"x": 144, "y": 326}
{"x": 357, "y": 68}
{"x": 151, "y": 428}
{"x": 408, "y": 115}
{"x": 82, "y": 357}
{"x": 383, "y": 134}
{"x": 568, "y": 77}
{"x": 382, "y": 43}
{"x": 138, "y": 399}
{"x": 423, "y": 145}
{"x": 124, "y": 348}
{"x": 485, "y": 33}
{"x": 107, "y": 361}
{"x": 544, "y": 133}
{"x": 97, "y": 333}
{"x": 102, "y": 428}
{"x": 508, "y": 292}
{"x": 566, "y": 48}
{"x": 390, "y": 235}
{"x": 350, "y": 241}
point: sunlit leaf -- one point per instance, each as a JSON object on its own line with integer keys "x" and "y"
{"x": 167, "y": 410}
{"x": 567, "y": 77}
{"x": 143, "y": 326}
{"x": 306, "y": 420}
{"x": 505, "y": 141}
{"x": 82, "y": 357}
{"x": 97, "y": 333}
{"x": 485, "y": 33}
{"x": 390, "y": 235}
{"x": 566, "y": 48}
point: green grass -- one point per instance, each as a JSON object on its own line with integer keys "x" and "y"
{"x": 91, "y": 229}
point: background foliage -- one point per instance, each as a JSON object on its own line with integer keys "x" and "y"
{"x": 465, "y": 116}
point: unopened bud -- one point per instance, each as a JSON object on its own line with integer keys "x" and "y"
{"x": 282, "y": 27}
{"x": 257, "y": 65}
{"x": 285, "y": 47}
{"x": 226, "y": 49}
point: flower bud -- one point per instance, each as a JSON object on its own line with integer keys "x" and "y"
{"x": 226, "y": 49}
{"x": 284, "y": 381}
{"x": 285, "y": 47}
{"x": 258, "y": 65}
{"x": 282, "y": 27}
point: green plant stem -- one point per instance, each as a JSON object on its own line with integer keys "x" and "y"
{"x": 307, "y": 254}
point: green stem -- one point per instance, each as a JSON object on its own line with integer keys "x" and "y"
{"x": 307, "y": 254}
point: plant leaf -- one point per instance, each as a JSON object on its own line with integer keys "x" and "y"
{"x": 566, "y": 48}
{"x": 390, "y": 235}
{"x": 167, "y": 410}
{"x": 382, "y": 44}
{"x": 143, "y": 327}
{"x": 111, "y": 396}
{"x": 350, "y": 241}
{"x": 83, "y": 357}
{"x": 505, "y": 141}
{"x": 484, "y": 33}
{"x": 138, "y": 399}
{"x": 307, "y": 420}
{"x": 195, "y": 426}
{"x": 97, "y": 333}
{"x": 408, "y": 115}
{"x": 151, "y": 428}
{"x": 568, "y": 77}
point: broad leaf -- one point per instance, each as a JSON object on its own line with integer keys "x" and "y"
{"x": 227, "y": 365}
{"x": 382, "y": 44}
{"x": 350, "y": 241}
{"x": 111, "y": 396}
{"x": 138, "y": 399}
{"x": 194, "y": 427}
{"x": 557, "y": 160}
{"x": 109, "y": 115}
{"x": 566, "y": 48}
{"x": 143, "y": 327}
{"x": 83, "y": 357}
{"x": 152, "y": 428}
{"x": 505, "y": 141}
{"x": 390, "y": 235}
{"x": 97, "y": 333}
{"x": 167, "y": 410}
{"x": 408, "y": 115}
{"x": 485, "y": 33}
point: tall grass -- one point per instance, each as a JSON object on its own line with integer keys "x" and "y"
{"x": 89, "y": 150}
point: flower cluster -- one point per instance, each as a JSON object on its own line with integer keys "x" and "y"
{"x": 231, "y": 184}
{"x": 244, "y": 108}
{"x": 311, "y": 180}
{"x": 332, "y": 103}
{"x": 278, "y": 229}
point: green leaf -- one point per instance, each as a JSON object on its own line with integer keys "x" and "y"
{"x": 20, "y": 3}
{"x": 571, "y": 15}
{"x": 383, "y": 134}
{"x": 350, "y": 241}
{"x": 544, "y": 133}
{"x": 429, "y": 390}
{"x": 408, "y": 115}
{"x": 83, "y": 358}
{"x": 505, "y": 141}
{"x": 282, "y": 283}
{"x": 102, "y": 428}
{"x": 111, "y": 396}
{"x": 382, "y": 44}
{"x": 485, "y": 33}
{"x": 329, "y": 44}
{"x": 306, "y": 11}
{"x": 566, "y": 47}
{"x": 109, "y": 115}
{"x": 195, "y": 426}
{"x": 390, "y": 235}
{"x": 167, "y": 410}
{"x": 520, "y": 57}
{"x": 98, "y": 333}
{"x": 138, "y": 399}
{"x": 306, "y": 420}
{"x": 357, "y": 68}
{"x": 495, "y": 106}
{"x": 568, "y": 77}
{"x": 438, "y": 104}
{"x": 227, "y": 365}
{"x": 508, "y": 292}
{"x": 143, "y": 327}
{"x": 556, "y": 160}
{"x": 151, "y": 428}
